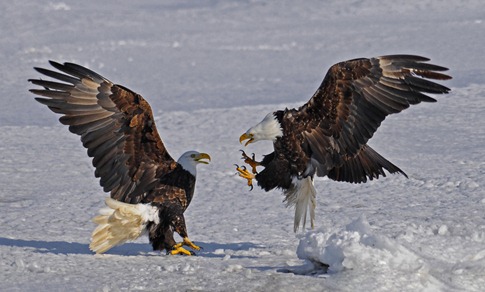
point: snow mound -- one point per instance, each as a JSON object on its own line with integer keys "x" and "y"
{"x": 356, "y": 246}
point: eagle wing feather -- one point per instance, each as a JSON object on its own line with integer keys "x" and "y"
{"x": 355, "y": 97}
{"x": 116, "y": 126}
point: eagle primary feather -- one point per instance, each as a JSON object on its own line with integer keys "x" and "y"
{"x": 328, "y": 135}
{"x": 117, "y": 127}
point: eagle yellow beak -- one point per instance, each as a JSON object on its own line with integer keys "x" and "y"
{"x": 198, "y": 158}
{"x": 246, "y": 136}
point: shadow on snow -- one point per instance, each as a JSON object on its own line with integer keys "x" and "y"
{"x": 128, "y": 249}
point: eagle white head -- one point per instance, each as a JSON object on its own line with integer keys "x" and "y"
{"x": 190, "y": 159}
{"x": 268, "y": 129}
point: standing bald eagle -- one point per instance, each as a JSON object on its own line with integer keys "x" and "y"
{"x": 149, "y": 190}
{"x": 328, "y": 135}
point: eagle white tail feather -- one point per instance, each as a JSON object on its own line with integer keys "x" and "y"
{"x": 302, "y": 195}
{"x": 120, "y": 222}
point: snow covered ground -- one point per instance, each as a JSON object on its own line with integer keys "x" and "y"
{"x": 211, "y": 69}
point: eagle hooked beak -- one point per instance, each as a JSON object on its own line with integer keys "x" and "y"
{"x": 246, "y": 136}
{"x": 198, "y": 158}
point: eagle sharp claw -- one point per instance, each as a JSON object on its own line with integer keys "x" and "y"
{"x": 251, "y": 161}
{"x": 181, "y": 250}
{"x": 178, "y": 248}
{"x": 190, "y": 244}
{"x": 243, "y": 172}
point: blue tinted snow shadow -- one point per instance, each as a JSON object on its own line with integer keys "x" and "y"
{"x": 56, "y": 247}
{"x": 127, "y": 249}
{"x": 64, "y": 247}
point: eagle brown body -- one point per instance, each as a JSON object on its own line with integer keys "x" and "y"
{"x": 117, "y": 127}
{"x": 328, "y": 135}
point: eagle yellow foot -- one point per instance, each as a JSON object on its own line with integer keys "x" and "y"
{"x": 243, "y": 172}
{"x": 190, "y": 244}
{"x": 179, "y": 249}
{"x": 250, "y": 160}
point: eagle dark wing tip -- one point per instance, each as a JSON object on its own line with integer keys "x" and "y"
{"x": 446, "y": 77}
{"x": 57, "y": 65}
{"x": 403, "y": 173}
{"x": 404, "y": 57}
{"x": 39, "y": 69}
{"x": 54, "y": 63}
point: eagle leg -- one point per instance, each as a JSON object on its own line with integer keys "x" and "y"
{"x": 243, "y": 172}
{"x": 251, "y": 161}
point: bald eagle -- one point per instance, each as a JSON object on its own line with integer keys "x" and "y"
{"x": 149, "y": 190}
{"x": 328, "y": 135}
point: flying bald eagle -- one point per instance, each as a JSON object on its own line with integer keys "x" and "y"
{"x": 149, "y": 190}
{"x": 328, "y": 135}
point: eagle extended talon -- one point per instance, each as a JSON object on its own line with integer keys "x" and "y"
{"x": 251, "y": 161}
{"x": 243, "y": 172}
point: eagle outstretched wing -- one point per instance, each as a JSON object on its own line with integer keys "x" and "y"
{"x": 116, "y": 126}
{"x": 355, "y": 97}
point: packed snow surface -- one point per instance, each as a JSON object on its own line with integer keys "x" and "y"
{"x": 211, "y": 69}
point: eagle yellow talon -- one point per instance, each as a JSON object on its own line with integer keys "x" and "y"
{"x": 178, "y": 248}
{"x": 190, "y": 244}
{"x": 251, "y": 161}
{"x": 244, "y": 173}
